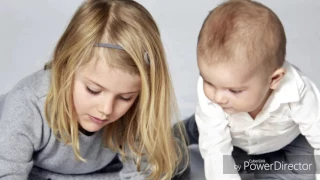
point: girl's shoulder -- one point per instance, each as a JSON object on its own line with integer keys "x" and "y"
{"x": 26, "y": 100}
{"x": 36, "y": 83}
{"x": 22, "y": 113}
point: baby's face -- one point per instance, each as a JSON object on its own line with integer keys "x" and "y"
{"x": 236, "y": 87}
{"x": 102, "y": 94}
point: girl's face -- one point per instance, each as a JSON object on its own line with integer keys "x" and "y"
{"x": 102, "y": 95}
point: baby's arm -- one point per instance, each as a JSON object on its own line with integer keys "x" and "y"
{"x": 214, "y": 139}
{"x": 20, "y": 128}
{"x": 306, "y": 113}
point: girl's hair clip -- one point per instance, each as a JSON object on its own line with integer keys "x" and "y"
{"x": 146, "y": 57}
{"x": 115, "y": 46}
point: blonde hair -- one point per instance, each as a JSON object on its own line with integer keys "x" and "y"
{"x": 242, "y": 30}
{"x": 147, "y": 126}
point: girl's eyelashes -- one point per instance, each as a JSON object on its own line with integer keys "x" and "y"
{"x": 92, "y": 91}
{"x": 125, "y": 99}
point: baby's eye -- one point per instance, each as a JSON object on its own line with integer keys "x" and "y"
{"x": 235, "y": 91}
{"x": 208, "y": 83}
{"x": 92, "y": 91}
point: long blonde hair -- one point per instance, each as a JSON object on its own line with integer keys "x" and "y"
{"x": 147, "y": 126}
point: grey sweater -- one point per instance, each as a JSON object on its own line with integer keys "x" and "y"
{"x": 28, "y": 145}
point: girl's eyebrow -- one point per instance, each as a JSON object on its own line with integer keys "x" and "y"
{"x": 95, "y": 83}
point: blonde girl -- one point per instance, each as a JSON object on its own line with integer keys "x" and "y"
{"x": 107, "y": 90}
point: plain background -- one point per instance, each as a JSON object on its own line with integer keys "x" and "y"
{"x": 30, "y": 29}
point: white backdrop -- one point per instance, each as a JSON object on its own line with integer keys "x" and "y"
{"x": 30, "y": 29}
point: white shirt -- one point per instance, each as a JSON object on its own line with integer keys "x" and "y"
{"x": 293, "y": 108}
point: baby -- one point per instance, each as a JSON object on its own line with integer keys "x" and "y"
{"x": 253, "y": 105}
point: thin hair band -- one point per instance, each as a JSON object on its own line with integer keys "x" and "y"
{"x": 115, "y": 46}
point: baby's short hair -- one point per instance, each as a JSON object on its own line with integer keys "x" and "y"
{"x": 242, "y": 30}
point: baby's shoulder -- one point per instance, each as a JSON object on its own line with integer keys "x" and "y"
{"x": 299, "y": 81}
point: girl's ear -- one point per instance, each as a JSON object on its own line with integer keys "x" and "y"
{"x": 276, "y": 77}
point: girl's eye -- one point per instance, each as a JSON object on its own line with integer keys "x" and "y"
{"x": 125, "y": 99}
{"x": 235, "y": 91}
{"x": 92, "y": 91}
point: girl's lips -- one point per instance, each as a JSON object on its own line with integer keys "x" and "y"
{"x": 97, "y": 120}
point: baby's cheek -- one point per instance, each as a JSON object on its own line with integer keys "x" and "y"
{"x": 241, "y": 104}
{"x": 209, "y": 93}
{"x": 251, "y": 104}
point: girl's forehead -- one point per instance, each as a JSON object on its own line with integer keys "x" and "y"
{"x": 111, "y": 78}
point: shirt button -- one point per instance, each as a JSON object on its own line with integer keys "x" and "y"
{"x": 254, "y": 143}
{"x": 247, "y": 133}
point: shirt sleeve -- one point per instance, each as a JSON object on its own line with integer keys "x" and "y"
{"x": 130, "y": 171}
{"x": 214, "y": 139}
{"x": 306, "y": 113}
{"x": 20, "y": 132}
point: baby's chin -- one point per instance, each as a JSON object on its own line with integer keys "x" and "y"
{"x": 230, "y": 111}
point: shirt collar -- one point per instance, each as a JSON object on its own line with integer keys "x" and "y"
{"x": 288, "y": 89}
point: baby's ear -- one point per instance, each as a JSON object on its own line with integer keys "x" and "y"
{"x": 276, "y": 77}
